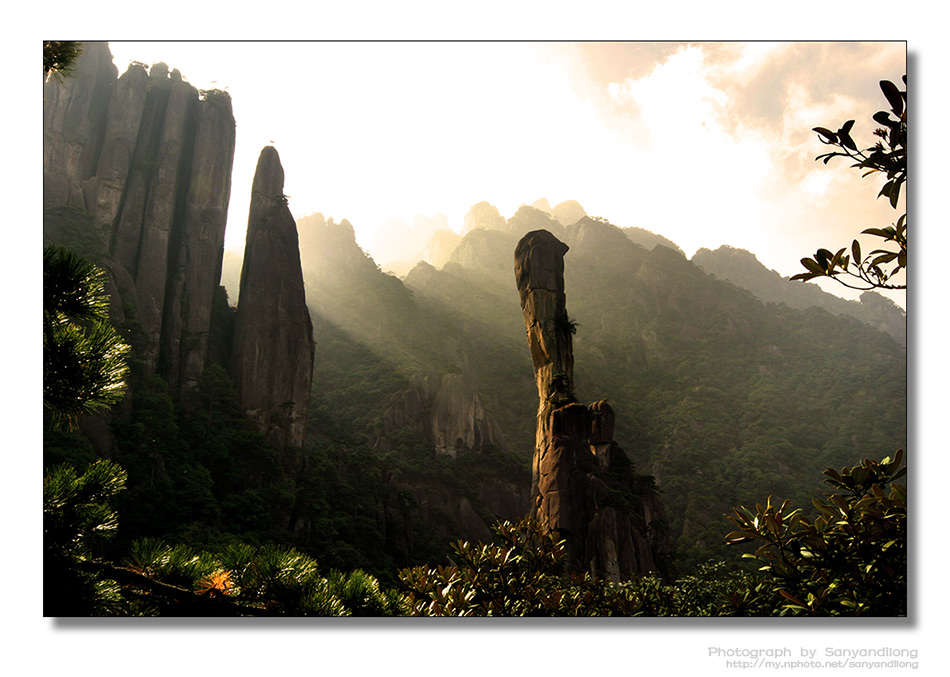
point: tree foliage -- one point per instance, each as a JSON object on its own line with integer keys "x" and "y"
{"x": 246, "y": 580}
{"x": 888, "y": 156}
{"x": 850, "y": 560}
{"x": 524, "y": 574}
{"x": 156, "y": 578}
{"x": 84, "y": 358}
{"x": 59, "y": 58}
{"x": 78, "y": 516}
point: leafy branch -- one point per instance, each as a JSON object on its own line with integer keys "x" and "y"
{"x": 850, "y": 559}
{"x": 887, "y": 156}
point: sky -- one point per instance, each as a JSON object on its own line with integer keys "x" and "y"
{"x": 707, "y": 144}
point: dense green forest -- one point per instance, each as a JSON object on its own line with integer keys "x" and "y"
{"x": 722, "y": 397}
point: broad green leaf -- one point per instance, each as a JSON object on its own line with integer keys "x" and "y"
{"x": 813, "y": 266}
{"x": 847, "y": 141}
{"x": 895, "y": 195}
{"x": 893, "y": 95}
{"x": 789, "y": 596}
{"x": 886, "y": 257}
{"x": 883, "y": 118}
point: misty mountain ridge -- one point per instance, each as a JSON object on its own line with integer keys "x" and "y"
{"x": 429, "y": 239}
{"x": 702, "y": 372}
{"x": 743, "y": 269}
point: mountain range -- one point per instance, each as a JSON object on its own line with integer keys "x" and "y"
{"x": 730, "y": 383}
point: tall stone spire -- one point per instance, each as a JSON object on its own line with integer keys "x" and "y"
{"x": 577, "y": 466}
{"x": 272, "y": 354}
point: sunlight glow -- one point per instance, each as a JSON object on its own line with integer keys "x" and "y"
{"x": 707, "y": 144}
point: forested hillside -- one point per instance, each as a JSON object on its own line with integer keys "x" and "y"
{"x": 743, "y": 269}
{"x": 723, "y": 397}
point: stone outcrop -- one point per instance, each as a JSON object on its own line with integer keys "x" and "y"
{"x": 446, "y": 411}
{"x": 146, "y": 159}
{"x": 272, "y": 353}
{"x": 528, "y": 219}
{"x": 74, "y": 117}
{"x": 483, "y": 215}
{"x": 194, "y": 269}
{"x": 583, "y": 485}
{"x": 440, "y": 247}
{"x": 568, "y": 212}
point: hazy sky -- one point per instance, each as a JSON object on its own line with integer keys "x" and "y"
{"x": 704, "y": 143}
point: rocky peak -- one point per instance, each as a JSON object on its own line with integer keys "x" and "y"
{"x": 483, "y": 250}
{"x": 439, "y": 249}
{"x": 539, "y": 275}
{"x": 74, "y": 113}
{"x": 542, "y": 204}
{"x": 325, "y": 244}
{"x": 272, "y": 354}
{"x": 483, "y": 215}
{"x": 146, "y": 161}
{"x": 568, "y": 212}
{"x": 577, "y": 466}
{"x": 527, "y": 219}
{"x": 649, "y": 240}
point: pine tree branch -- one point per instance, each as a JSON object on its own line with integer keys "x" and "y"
{"x": 173, "y": 600}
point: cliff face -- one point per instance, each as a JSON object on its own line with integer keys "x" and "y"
{"x": 446, "y": 411}
{"x": 194, "y": 272}
{"x": 577, "y": 467}
{"x": 146, "y": 159}
{"x": 74, "y": 116}
{"x": 272, "y": 353}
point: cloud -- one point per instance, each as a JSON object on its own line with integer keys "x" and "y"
{"x": 701, "y": 172}
{"x": 726, "y": 151}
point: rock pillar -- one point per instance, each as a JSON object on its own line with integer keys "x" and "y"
{"x": 578, "y": 471}
{"x": 272, "y": 354}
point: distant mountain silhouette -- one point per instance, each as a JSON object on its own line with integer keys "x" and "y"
{"x": 744, "y": 270}
{"x": 723, "y": 394}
